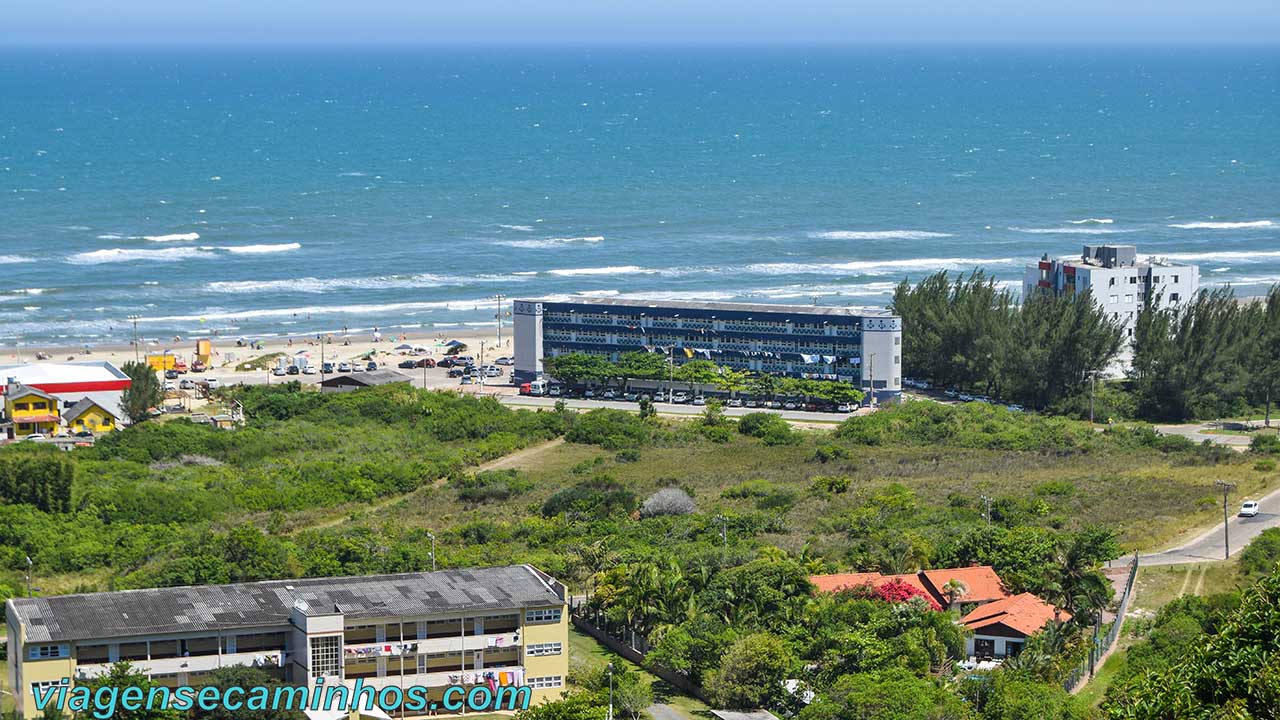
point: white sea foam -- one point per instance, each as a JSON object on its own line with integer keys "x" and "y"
{"x": 30, "y": 291}
{"x": 1071, "y": 230}
{"x": 878, "y": 235}
{"x": 1223, "y": 225}
{"x": 327, "y": 309}
{"x": 323, "y": 285}
{"x": 175, "y": 237}
{"x": 874, "y": 267}
{"x": 547, "y": 243}
{"x": 612, "y": 270}
{"x": 14, "y": 259}
{"x": 1236, "y": 255}
{"x": 258, "y": 249}
{"x": 171, "y": 254}
{"x": 1093, "y": 221}
{"x": 517, "y": 228}
{"x": 110, "y": 236}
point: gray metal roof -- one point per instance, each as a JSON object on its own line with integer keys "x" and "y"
{"x": 369, "y": 377}
{"x": 81, "y": 407}
{"x": 160, "y": 611}
{"x": 721, "y": 306}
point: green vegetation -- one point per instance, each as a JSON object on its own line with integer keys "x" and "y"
{"x": 698, "y": 535}
{"x": 1205, "y": 658}
{"x": 143, "y": 393}
{"x": 1209, "y": 357}
{"x": 261, "y": 362}
{"x": 967, "y": 333}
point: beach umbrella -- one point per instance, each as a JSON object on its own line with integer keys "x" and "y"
{"x": 404, "y": 347}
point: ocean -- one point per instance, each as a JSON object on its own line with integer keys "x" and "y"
{"x": 255, "y": 192}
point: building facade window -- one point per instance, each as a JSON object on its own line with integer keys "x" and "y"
{"x": 326, "y": 656}
{"x": 539, "y": 649}
{"x": 48, "y": 652}
{"x": 550, "y": 615}
{"x": 547, "y": 681}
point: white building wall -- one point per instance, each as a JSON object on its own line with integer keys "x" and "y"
{"x": 527, "y": 326}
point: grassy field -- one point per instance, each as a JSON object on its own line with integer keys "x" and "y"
{"x": 1148, "y": 499}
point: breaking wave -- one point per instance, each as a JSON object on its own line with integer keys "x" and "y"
{"x": 547, "y": 243}
{"x": 877, "y": 267}
{"x": 1093, "y": 221}
{"x": 171, "y": 254}
{"x": 1237, "y": 255}
{"x": 1223, "y": 225}
{"x": 612, "y": 270}
{"x": 257, "y": 249}
{"x": 175, "y": 237}
{"x": 878, "y": 235}
{"x": 1071, "y": 230}
{"x": 15, "y": 259}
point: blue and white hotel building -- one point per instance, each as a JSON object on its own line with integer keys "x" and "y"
{"x": 861, "y": 347}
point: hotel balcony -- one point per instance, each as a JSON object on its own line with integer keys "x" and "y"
{"x": 195, "y": 663}
{"x": 454, "y": 643}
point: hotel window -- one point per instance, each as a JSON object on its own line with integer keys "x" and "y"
{"x": 1113, "y": 298}
{"x": 1128, "y": 298}
{"x": 21, "y": 406}
{"x": 549, "y": 681}
{"x": 1175, "y": 279}
{"x": 551, "y": 615}
{"x": 897, "y": 340}
{"x": 326, "y": 656}
{"x": 548, "y": 648}
{"x": 47, "y": 652}
{"x": 1173, "y": 297}
{"x": 87, "y": 654}
{"x": 38, "y": 687}
{"x": 1133, "y": 279}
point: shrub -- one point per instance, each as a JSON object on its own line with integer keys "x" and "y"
{"x": 829, "y": 484}
{"x": 749, "y": 489}
{"x": 1262, "y": 554}
{"x": 827, "y": 453}
{"x": 491, "y": 485}
{"x": 1265, "y": 465}
{"x": 610, "y": 429}
{"x": 759, "y": 424}
{"x": 599, "y": 497}
{"x": 1266, "y": 444}
{"x": 667, "y": 501}
{"x": 1057, "y": 488}
{"x": 970, "y": 425}
{"x": 629, "y": 455}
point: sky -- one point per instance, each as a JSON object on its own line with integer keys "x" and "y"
{"x": 605, "y": 22}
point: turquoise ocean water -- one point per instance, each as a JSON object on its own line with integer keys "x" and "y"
{"x": 261, "y": 192}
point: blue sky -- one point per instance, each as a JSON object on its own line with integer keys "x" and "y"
{"x": 639, "y": 21}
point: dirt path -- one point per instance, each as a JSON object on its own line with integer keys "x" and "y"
{"x": 506, "y": 461}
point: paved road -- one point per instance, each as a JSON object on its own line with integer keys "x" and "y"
{"x": 1209, "y": 545}
{"x": 668, "y": 408}
{"x": 1196, "y": 433}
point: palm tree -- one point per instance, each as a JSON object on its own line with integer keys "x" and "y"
{"x": 954, "y": 590}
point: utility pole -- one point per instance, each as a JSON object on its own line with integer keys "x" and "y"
{"x": 986, "y": 501}
{"x": 322, "y": 342}
{"x": 1226, "y": 488}
{"x": 500, "y": 297}
{"x": 29, "y": 576}
{"x": 135, "y": 319}
{"x": 433, "y": 550}
{"x": 724, "y": 529}
{"x": 610, "y": 715}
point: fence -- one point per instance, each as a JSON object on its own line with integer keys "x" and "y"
{"x": 633, "y": 649}
{"x": 1101, "y": 646}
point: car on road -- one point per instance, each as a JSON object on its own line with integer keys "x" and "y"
{"x": 344, "y": 367}
{"x": 951, "y": 393}
{"x": 504, "y": 361}
{"x": 1249, "y": 509}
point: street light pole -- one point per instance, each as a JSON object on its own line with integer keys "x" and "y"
{"x": 610, "y": 715}
{"x": 29, "y": 563}
{"x": 135, "y": 318}
{"x": 500, "y": 297}
{"x": 1226, "y": 488}
{"x": 433, "y": 550}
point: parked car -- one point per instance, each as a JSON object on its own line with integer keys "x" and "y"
{"x": 293, "y": 370}
{"x": 357, "y": 367}
{"x": 309, "y": 370}
{"x": 426, "y": 363}
{"x": 83, "y": 434}
{"x": 186, "y": 384}
{"x": 630, "y": 396}
{"x": 790, "y": 405}
{"x": 699, "y": 400}
{"x": 1015, "y": 408}
{"x": 1249, "y": 509}
{"x": 751, "y": 403}
{"x": 278, "y": 372}
{"x": 198, "y": 367}
{"x": 170, "y": 386}
{"x": 466, "y": 380}
{"x": 505, "y": 361}
{"x": 951, "y": 393}
{"x": 344, "y": 367}
{"x": 457, "y": 372}
{"x": 447, "y": 362}
{"x": 171, "y": 374}
{"x": 609, "y": 394}
{"x": 966, "y": 397}
{"x": 844, "y": 408}
{"x": 679, "y": 397}
{"x": 923, "y": 384}
{"x": 588, "y": 393}
{"x": 493, "y": 371}
{"x": 212, "y": 383}
{"x": 371, "y": 365}
{"x": 734, "y": 402}
{"x": 326, "y": 368}
{"x": 407, "y": 364}
{"x": 35, "y": 437}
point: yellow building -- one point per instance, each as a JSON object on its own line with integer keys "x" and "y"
{"x": 28, "y": 411}
{"x": 500, "y": 627}
{"x": 87, "y": 415}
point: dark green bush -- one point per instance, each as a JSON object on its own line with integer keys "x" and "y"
{"x": 597, "y": 498}
{"x": 827, "y": 453}
{"x": 829, "y": 484}
{"x": 491, "y": 485}
{"x": 610, "y": 429}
